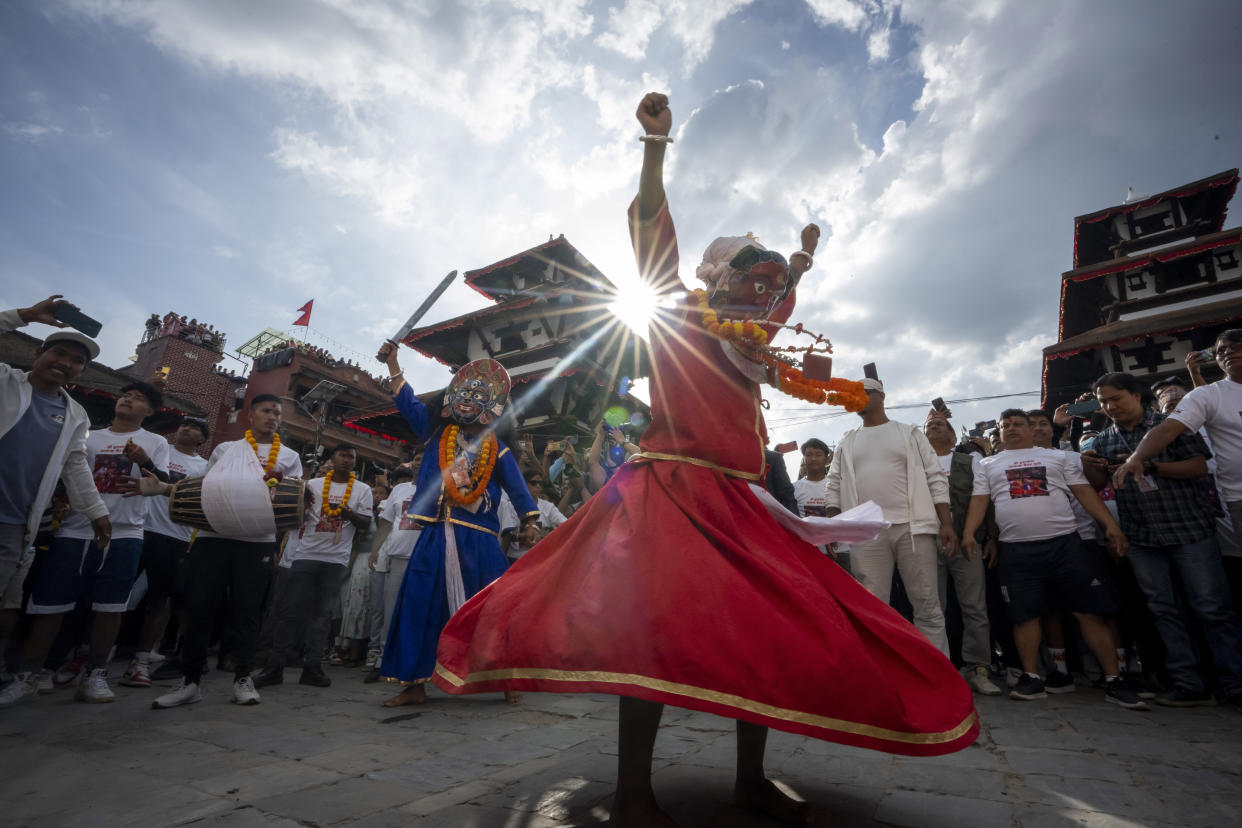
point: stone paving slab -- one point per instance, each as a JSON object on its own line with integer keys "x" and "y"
{"x": 333, "y": 757}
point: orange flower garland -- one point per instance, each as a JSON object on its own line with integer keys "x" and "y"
{"x": 752, "y": 338}
{"x": 745, "y": 332}
{"x": 328, "y": 509}
{"x": 272, "y": 454}
{"x": 479, "y": 477}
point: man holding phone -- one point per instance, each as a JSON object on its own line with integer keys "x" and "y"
{"x": 43, "y": 440}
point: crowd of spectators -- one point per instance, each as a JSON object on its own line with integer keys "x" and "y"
{"x": 1045, "y": 551}
{"x": 192, "y": 331}
{"x": 1091, "y": 545}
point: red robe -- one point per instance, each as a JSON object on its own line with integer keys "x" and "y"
{"x": 674, "y": 584}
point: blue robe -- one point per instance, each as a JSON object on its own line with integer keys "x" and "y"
{"x": 422, "y": 607}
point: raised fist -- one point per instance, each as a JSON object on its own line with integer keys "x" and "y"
{"x": 654, "y": 114}
{"x": 810, "y": 238}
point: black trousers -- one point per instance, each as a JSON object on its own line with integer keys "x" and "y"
{"x": 216, "y": 567}
{"x": 310, "y": 590}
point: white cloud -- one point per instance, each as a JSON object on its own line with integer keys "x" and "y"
{"x": 29, "y": 133}
{"x": 844, "y": 13}
{"x": 225, "y": 252}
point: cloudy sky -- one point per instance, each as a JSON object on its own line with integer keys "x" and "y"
{"x": 233, "y": 159}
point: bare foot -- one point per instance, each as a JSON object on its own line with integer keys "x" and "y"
{"x": 513, "y": 697}
{"x": 639, "y": 814}
{"x": 767, "y": 797}
{"x": 414, "y": 694}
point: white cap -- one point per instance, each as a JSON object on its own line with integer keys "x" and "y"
{"x": 91, "y": 346}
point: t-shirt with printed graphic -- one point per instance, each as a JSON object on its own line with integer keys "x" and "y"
{"x": 1217, "y": 407}
{"x": 404, "y": 534}
{"x": 105, "y": 456}
{"x": 180, "y": 466}
{"x": 1030, "y": 490}
{"x": 330, "y": 538}
{"x": 26, "y": 448}
{"x": 812, "y": 497}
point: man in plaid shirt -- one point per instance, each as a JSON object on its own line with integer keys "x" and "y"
{"x": 1170, "y": 526}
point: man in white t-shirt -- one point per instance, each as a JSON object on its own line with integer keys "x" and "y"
{"x": 811, "y": 491}
{"x": 550, "y": 517}
{"x": 966, "y": 480}
{"x": 76, "y": 565}
{"x": 339, "y": 506}
{"x": 238, "y": 567}
{"x": 164, "y": 547}
{"x": 893, "y": 465}
{"x": 1040, "y": 552}
{"x": 1217, "y": 408}
{"x": 394, "y": 543}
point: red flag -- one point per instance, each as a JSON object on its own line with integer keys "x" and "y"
{"x": 305, "y": 310}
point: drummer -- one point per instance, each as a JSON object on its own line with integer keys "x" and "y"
{"x": 242, "y": 566}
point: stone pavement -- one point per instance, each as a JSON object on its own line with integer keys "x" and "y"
{"x": 320, "y": 757}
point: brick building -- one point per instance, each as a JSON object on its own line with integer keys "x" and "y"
{"x": 192, "y": 352}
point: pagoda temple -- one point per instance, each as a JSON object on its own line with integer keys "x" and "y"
{"x": 1154, "y": 279}
{"x": 550, "y": 325}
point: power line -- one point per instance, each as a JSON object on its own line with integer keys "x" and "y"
{"x": 804, "y": 419}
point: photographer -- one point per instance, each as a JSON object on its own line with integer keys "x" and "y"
{"x": 609, "y": 450}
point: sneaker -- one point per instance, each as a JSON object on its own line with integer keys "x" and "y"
{"x": 181, "y": 694}
{"x": 372, "y": 676}
{"x": 1059, "y": 682}
{"x": 1140, "y": 685}
{"x": 1028, "y": 688}
{"x": 1181, "y": 697}
{"x": 980, "y": 679}
{"x": 138, "y": 674}
{"x": 373, "y": 657}
{"x": 169, "y": 669}
{"x": 315, "y": 676}
{"x": 43, "y": 680}
{"x": 1123, "y": 692}
{"x": 1012, "y": 676}
{"x": 156, "y": 657}
{"x": 94, "y": 687}
{"x": 22, "y": 687}
{"x": 244, "y": 692}
{"x": 268, "y": 676}
{"x": 72, "y": 669}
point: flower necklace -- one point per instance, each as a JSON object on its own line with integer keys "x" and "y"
{"x": 479, "y": 477}
{"x": 752, "y": 339}
{"x": 269, "y": 473}
{"x": 328, "y": 509}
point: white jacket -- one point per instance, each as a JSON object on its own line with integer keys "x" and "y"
{"x": 926, "y": 482}
{"x": 68, "y": 460}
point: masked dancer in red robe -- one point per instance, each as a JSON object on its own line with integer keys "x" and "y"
{"x": 677, "y": 583}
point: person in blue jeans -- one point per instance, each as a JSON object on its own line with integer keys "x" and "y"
{"x": 1171, "y": 527}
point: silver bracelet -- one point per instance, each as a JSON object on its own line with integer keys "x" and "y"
{"x": 394, "y": 376}
{"x": 655, "y": 139}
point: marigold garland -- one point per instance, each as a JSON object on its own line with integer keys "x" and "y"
{"x": 269, "y": 473}
{"x": 326, "y": 507}
{"x": 480, "y": 476}
{"x": 752, "y": 338}
{"x": 746, "y": 332}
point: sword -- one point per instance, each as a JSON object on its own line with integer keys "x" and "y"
{"x": 405, "y": 329}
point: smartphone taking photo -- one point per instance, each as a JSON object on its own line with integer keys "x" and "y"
{"x": 74, "y": 318}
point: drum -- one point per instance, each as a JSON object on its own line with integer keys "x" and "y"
{"x": 185, "y": 505}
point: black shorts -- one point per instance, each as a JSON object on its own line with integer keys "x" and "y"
{"x": 1065, "y": 571}
{"x": 164, "y": 560}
